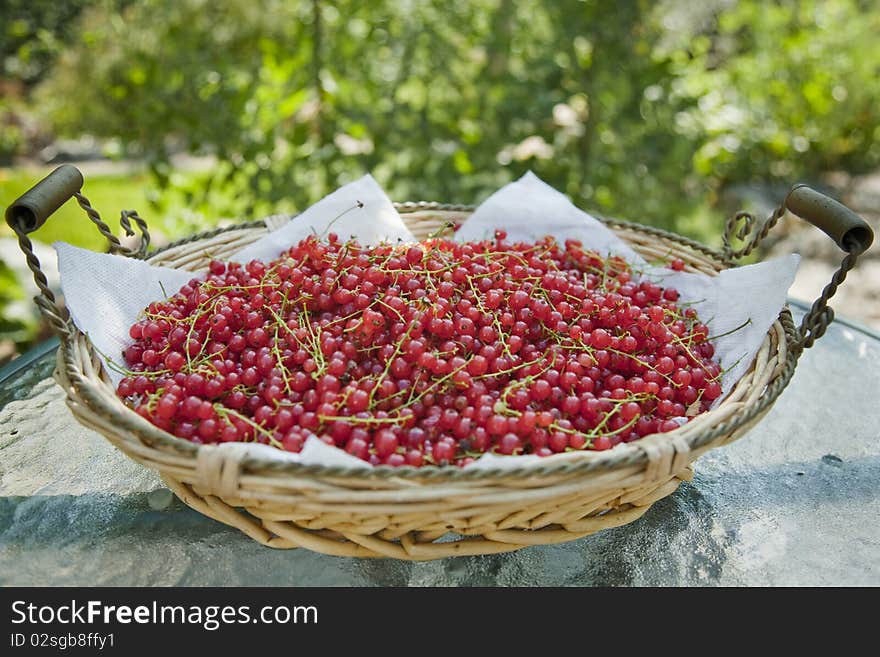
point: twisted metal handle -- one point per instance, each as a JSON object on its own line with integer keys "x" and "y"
{"x": 125, "y": 218}
{"x": 741, "y": 225}
{"x": 31, "y": 210}
{"x": 851, "y": 233}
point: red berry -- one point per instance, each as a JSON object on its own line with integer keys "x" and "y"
{"x": 443, "y": 453}
{"x": 510, "y": 443}
{"x": 386, "y": 442}
{"x": 630, "y": 411}
{"x": 175, "y": 361}
{"x": 602, "y": 443}
{"x": 496, "y": 425}
{"x": 712, "y": 391}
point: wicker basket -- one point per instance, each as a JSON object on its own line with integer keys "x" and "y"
{"x": 430, "y": 512}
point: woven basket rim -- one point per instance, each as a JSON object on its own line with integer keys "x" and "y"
{"x": 621, "y": 456}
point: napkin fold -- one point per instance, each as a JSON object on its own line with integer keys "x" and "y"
{"x": 359, "y": 209}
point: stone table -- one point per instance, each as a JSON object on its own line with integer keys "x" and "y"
{"x": 795, "y": 502}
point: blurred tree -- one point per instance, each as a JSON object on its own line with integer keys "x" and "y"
{"x": 783, "y": 89}
{"x": 32, "y": 32}
{"x": 638, "y": 109}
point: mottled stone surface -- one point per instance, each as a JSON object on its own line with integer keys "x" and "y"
{"x": 795, "y": 502}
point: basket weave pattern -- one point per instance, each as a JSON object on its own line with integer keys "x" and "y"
{"x": 430, "y": 512}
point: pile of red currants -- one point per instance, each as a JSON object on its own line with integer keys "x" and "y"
{"x": 429, "y": 353}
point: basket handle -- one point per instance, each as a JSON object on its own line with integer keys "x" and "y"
{"x": 31, "y": 210}
{"x": 849, "y": 231}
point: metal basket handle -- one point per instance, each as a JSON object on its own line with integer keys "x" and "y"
{"x": 31, "y": 210}
{"x": 849, "y": 231}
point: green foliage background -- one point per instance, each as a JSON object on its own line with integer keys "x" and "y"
{"x": 645, "y": 110}
{"x": 633, "y": 107}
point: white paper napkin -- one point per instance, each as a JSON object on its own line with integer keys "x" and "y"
{"x": 530, "y": 209}
{"x": 105, "y": 293}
